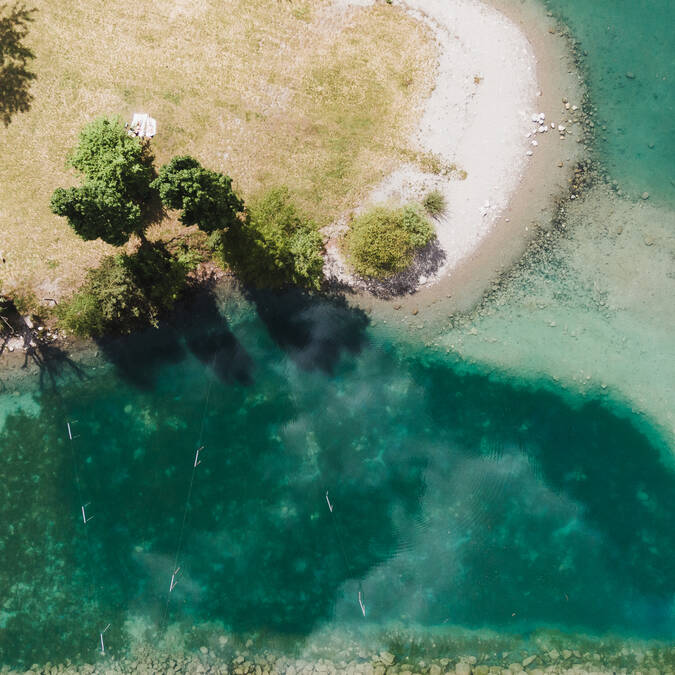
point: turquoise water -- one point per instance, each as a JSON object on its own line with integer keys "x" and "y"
{"x": 630, "y": 69}
{"x": 487, "y": 488}
{"x": 456, "y": 499}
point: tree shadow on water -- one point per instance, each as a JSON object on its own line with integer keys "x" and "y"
{"x": 196, "y": 327}
{"x": 314, "y": 329}
{"x": 208, "y": 337}
{"x": 15, "y": 78}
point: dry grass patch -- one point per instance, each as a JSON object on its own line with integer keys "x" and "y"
{"x": 288, "y": 92}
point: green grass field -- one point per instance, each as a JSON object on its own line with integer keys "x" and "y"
{"x": 270, "y": 92}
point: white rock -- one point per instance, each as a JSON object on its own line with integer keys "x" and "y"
{"x": 535, "y": 143}
{"x": 561, "y": 128}
{"x": 535, "y": 118}
{"x": 542, "y": 116}
{"x": 552, "y": 125}
{"x": 529, "y": 153}
{"x": 543, "y": 130}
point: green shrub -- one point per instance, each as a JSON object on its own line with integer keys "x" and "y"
{"x": 126, "y": 292}
{"x": 161, "y": 276}
{"x": 205, "y": 196}
{"x": 109, "y": 301}
{"x": 434, "y": 203}
{"x": 382, "y": 241}
{"x": 276, "y": 246}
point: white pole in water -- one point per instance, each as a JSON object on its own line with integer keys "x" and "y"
{"x": 174, "y": 581}
{"x": 70, "y": 431}
{"x": 330, "y": 506}
{"x": 197, "y": 460}
{"x": 363, "y": 607}
{"x": 101, "y": 635}
{"x": 84, "y": 513}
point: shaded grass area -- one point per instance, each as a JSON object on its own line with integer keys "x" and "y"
{"x": 290, "y": 93}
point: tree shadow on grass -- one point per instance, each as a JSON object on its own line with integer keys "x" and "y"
{"x": 315, "y": 330}
{"x": 15, "y": 78}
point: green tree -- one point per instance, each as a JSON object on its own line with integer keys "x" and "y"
{"x": 126, "y": 292}
{"x": 15, "y": 78}
{"x": 205, "y": 197}
{"x": 276, "y": 246}
{"x": 96, "y": 210}
{"x": 116, "y": 198}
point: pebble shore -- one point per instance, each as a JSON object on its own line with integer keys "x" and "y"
{"x": 654, "y": 661}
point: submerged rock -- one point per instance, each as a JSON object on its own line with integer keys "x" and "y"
{"x": 387, "y": 658}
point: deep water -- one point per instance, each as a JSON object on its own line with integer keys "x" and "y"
{"x": 455, "y": 499}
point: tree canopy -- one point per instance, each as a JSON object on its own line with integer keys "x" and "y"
{"x": 116, "y": 196}
{"x": 108, "y": 154}
{"x": 205, "y": 197}
{"x": 127, "y": 292}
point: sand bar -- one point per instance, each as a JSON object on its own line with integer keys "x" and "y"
{"x": 495, "y": 114}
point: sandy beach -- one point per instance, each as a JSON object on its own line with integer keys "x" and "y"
{"x": 502, "y": 115}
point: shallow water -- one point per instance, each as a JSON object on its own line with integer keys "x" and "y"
{"x": 508, "y": 471}
{"x": 630, "y": 69}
